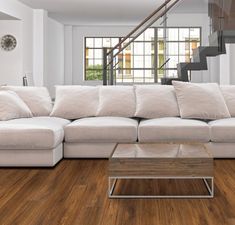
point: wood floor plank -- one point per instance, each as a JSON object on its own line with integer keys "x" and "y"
{"x": 75, "y": 193}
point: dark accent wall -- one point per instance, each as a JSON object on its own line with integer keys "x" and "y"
{"x": 222, "y": 14}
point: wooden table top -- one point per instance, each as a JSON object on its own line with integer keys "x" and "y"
{"x": 144, "y": 151}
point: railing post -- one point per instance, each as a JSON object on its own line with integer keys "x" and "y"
{"x": 105, "y": 80}
{"x": 111, "y": 69}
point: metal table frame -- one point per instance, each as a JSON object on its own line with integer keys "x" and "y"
{"x": 208, "y": 181}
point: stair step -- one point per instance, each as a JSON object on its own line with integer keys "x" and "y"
{"x": 200, "y": 55}
{"x": 193, "y": 66}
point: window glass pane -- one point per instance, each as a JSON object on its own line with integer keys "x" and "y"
{"x": 98, "y": 63}
{"x": 173, "y": 48}
{"x": 193, "y": 45}
{"x": 138, "y": 74}
{"x": 161, "y": 47}
{"x": 187, "y": 48}
{"x": 185, "y": 58}
{"x": 148, "y": 48}
{"x": 183, "y": 48}
{"x": 140, "y": 38}
{"x": 160, "y": 74}
{"x": 90, "y": 63}
{"x": 128, "y": 75}
{"x": 194, "y": 33}
{"x": 148, "y": 62}
{"x": 173, "y": 34}
{"x": 149, "y": 80}
{"x": 120, "y": 61}
{"x": 107, "y": 42}
{"x": 98, "y": 42}
{"x": 148, "y": 74}
{"x": 89, "y": 53}
{"x": 184, "y": 34}
{"x": 98, "y": 53}
{"x": 138, "y": 48}
{"x": 139, "y": 62}
{"x": 160, "y": 33}
{"x": 149, "y": 34}
{"x": 94, "y": 74}
{"x": 171, "y": 73}
{"x": 173, "y": 61}
{"x": 114, "y": 41}
{"x": 127, "y": 60}
{"x": 89, "y": 42}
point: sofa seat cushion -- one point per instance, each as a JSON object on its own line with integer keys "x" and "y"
{"x": 223, "y": 130}
{"x": 32, "y": 133}
{"x": 173, "y": 129}
{"x": 102, "y": 129}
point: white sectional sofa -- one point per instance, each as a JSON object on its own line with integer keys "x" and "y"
{"x": 87, "y": 122}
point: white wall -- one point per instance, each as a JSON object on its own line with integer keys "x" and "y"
{"x": 39, "y": 46}
{"x": 193, "y": 20}
{"x": 68, "y": 55}
{"x": 77, "y": 54}
{"x": 55, "y": 55}
{"x": 226, "y": 66}
{"x": 48, "y": 51}
{"x": 11, "y": 63}
{"x": 232, "y": 64}
{"x": 25, "y": 14}
{"x": 74, "y": 36}
{"x": 42, "y": 45}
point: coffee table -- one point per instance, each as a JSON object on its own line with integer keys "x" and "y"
{"x": 161, "y": 161}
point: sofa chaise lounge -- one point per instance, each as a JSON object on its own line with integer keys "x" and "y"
{"x": 87, "y": 122}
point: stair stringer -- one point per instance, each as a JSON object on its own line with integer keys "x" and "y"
{"x": 199, "y": 59}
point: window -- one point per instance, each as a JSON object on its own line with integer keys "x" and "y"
{"x": 177, "y": 47}
{"x": 140, "y": 62}
{"x": 93, "y": 56}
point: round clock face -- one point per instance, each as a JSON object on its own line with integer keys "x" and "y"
{"x": 8, "y": 43}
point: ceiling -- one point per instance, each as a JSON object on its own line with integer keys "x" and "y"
{"x": 120, "y": 12}
{"x": 4, "y": 16}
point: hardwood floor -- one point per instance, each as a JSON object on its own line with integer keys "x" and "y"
{"x": 75, "y": 192}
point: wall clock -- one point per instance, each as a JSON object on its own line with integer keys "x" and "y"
{"x": 8, "y": 42}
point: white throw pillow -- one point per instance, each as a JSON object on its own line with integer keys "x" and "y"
{"x": 228, "y": 92}
{"x": 12, "y": 107}
{"x": 74, "y": 102}
{"x": 36, "y": 98}
{"x": 117, "y": 101}
{"x": 156, "y": 101}
{"x": 200, "y": 101}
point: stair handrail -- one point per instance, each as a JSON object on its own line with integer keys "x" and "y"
{"x": 109, "y": 56}
{"x": 140, "y": 25}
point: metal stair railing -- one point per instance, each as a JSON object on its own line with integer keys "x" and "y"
{"x": 110, "y": 55}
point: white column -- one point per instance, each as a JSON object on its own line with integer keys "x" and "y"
{"x": 232, "y": 64}
{"x": 39, "y": 47}
{"x": 68, "y": 57}
{"x": 214, "y": 69}
{"x": 225, "y": 67}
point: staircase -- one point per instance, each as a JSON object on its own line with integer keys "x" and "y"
{"x": 110, "y": 56}
{"x": 217, "y": 47}
{"x": 223, "y": 25}
{"x": 223, "y": 31}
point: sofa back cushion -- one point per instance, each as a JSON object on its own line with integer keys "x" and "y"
{"x": 117, "y": 101}
{"x": 156, "y": 101}
{"x": 36, "y": 98}
{"x": 12, "y": 106}
{"x": 74, "y": 102}
{"x": 200, "y": 101}
{"x": 228, "y": 92}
